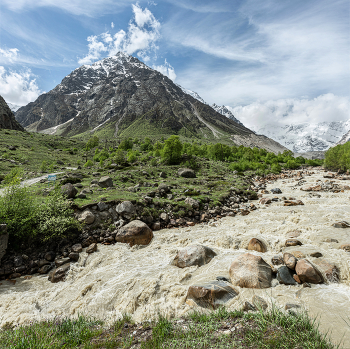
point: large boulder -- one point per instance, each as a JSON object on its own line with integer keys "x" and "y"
{"x": 87, "y": 217}
{"x": 135, "y": 233}
{"x": 289, "y": 260}
{"x": 186, "y": 173}
{"x": 210, "y": 295}
{"x": 285, "y": 276}
{"x": 126, "y": 209}
{"x": 105, "y": 182}
{"x": 307, "y": 273}
{"x": 193, "y": 255}
{"x": 256, "y": 245}
{"x": 329, "y": 269}
{"x": 69, "y": 191}
{"x": 4, "y": 237}
{"x": 59, "y": 274}
{"x": 250, "y": 271}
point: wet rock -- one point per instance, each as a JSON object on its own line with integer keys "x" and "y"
{"x": 316, "y": 254}
{"x": 69, "y": 191}
{"x": 17, "y": 261}
{"x": 186, "y": 173}
{"x": 74, "y": 256}
{"x": 330, "y": 240}
{"x": 62, "y": 261}
{"x": 345, "y": 247}
{"x": 285, "y": 276}
{"x": 192, "y": 202}
{"x": 105, "y": 182}
{"x": 289, "y": 260}
{"x": 60, "y": 273}
{"x": 329, "y": 269}
{"x": 20, "y": 269}
{"x": 341, "y": 224}
{"x": 259, "y": 303}
{"x": 292, "y": 242}
{"x": 250, "y": 271}
{"x": 298, "y": 254}
{"x": 222, "y": 278}
{"x": 276, "y": 191}
{"x": 50, "y": 256}
{"x": 88, "y": 241}
{"x": 265, "y": 201}
{"x": 156, "y": 226}
{"x": 193, "y": 255}
{"x": 86, "y": 217}
{"x": 126, "y": 209}
{"x": 293, "y": 234}
{"x": 256, "y": 245}
{"x": 296, "y": 278}
{"x": 293, "y": 202}
{"x": 135, "y": 233}
{"x": 211, "y": 295}
{"x": 45, "y": 269}
{"x": 77, "y": 248}
{"x": 292, "y": 306}
{"x": 43, "y": 262}
{"x": 92, "y": 248}
{"x": 277, "y": 260}
{"x": 307, "y": 273}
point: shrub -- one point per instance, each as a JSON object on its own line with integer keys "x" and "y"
{"x": 89, "y": 163}
{"x": 43, "y": 166}
{"x": 126, "y": 144}
{"x": 92, "y": 143}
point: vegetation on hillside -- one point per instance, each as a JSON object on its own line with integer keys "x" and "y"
{"x": 272, "y": 329}
{"x": 338, "y": 157}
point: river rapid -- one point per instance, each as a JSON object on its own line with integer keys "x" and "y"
{"x": 141, "y": 281}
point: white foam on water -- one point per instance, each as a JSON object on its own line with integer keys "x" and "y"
{"x": 141, "y": 281}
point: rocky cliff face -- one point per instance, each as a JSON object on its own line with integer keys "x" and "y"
{"x": 121, "y": 96}
{"x": 7, "y": 118}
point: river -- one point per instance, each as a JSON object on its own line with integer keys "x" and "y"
{"x": 141, "y": 281}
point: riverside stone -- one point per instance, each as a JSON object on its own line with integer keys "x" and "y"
{"x": 59, "y": 274}
{"x": 186, "y": 173}
{"x": 92, "y": 248}
{"x": 69, "y": 191}
{"x": 307, "y": 273}
{"x": 87, "y": 217}
{"x": 126, "y": 209}
{"x": 135, "y": 233}
{"x": 289, "y": 260}
{"x": 345, "y": 247}
{"x": 329, "y": 269}
{"x": 292, "y": 242}
{"x": 341, "y": 224}
{"x": 256, "y": 245}
{"x": 250, "y": 271}
{"x": 77, "y": 248}
{"x": 192, "y": 202}
{"x": 105, "y": 182}
{"x": 285, "y": 276}
{"x": 193, "y": 255}
{"x": 211, "y": 295}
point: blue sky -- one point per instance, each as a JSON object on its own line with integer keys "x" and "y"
{"x": 246, "y": 53}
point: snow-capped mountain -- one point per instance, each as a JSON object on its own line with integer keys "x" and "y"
{"x": 307, "y": 137}
{"x": 120, "y": 96}
{"x": 192, "y": 93}
{"x": 13, "y": 107}
{"x": 225, "y": 111}
{"x": 345, "y": 138}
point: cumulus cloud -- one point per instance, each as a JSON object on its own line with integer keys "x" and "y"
{"x": 140, "y": 38}
{"x": 292, "y": 111}
{"x": 18, "y": 88}
{"x": 166, "y": 69}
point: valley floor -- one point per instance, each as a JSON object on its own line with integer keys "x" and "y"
{"x": 141, "y": 281}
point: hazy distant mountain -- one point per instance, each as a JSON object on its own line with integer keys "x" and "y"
{"x": 121, "y": 96}
{"x": 345, "y": 138}
{"x": 13, "y": 107}
{"x": 307, "y": 137}
{"x": 7, "y": 118}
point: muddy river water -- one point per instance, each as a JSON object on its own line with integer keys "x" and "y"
{"x": 141, "y": 281}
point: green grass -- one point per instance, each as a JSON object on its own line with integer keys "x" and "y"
{"x": 273, "y": 329}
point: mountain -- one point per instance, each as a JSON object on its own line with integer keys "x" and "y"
{"x": 13, "y": 107}
{"x": 345, "y": 138}
{"x": 225, "y": 111}
{"x": 120, "y": 96}
{"x": 307, "y": 137}
{"x": 7, "y": 118}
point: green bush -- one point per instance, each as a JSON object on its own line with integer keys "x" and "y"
{"x": 92, "y": 143}
{"x": 171, "y": 153}
{"x": 89, "y": 163}
{"x": 338, "y": 157}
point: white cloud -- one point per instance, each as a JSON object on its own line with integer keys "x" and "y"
{"x": 141, "y": 37}
{"x": 18, "y": 88}
{"x": 166, "y": 69}
{"x": 327, "y": 107}
{"x": 8, "y": 55}
{"x": 112, "y": 25}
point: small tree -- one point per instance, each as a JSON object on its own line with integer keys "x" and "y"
{"x": 172, "y": 150}
{"x": 92, "y": 143}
